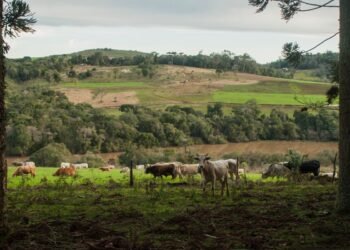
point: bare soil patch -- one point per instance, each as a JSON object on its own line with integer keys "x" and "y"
{"x": 100, "y": 100}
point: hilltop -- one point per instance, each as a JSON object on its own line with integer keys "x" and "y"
{"x": 112, "y": 53}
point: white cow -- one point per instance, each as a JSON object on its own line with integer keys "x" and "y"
{"x": 140, "y": 167}
{"x": 65, "y": 165}
{"x": 212, "y": 171}
{"x": 80, "y": 165}
{"x": 28, "y": 164}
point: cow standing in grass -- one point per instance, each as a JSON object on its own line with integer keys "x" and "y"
{"x": 163, "y": 169}
{"x": 70, "y": 171}
{"x": 276, "y": 170}
{"x": 213, "y": 171}
{"x": 25, "y": 170}
{"x": 232, "y": 165}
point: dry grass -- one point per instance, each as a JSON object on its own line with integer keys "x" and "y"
{"x": 265, "y": 147}
{"x": 102, "y": 99}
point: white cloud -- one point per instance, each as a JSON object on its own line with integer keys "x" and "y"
{"x": 166, "y": 25}
{"x": 198, "y": 14}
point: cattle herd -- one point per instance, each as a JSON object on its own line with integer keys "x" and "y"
{"x": 210, "y": 171}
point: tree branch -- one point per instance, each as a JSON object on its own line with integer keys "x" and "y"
{"x": 322, "y": 5}
{"x": 319, "y": 44}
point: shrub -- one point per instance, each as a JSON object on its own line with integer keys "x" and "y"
{"x": 294, "y": 159}
{"x": 51, "y": 155}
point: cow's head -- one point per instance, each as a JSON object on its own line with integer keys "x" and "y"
{"x": 202, "y": 159}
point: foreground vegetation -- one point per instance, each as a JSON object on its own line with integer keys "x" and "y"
{"x": 96, "y": 212}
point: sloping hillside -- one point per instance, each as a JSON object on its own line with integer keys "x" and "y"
{"x": 114, "y": 86}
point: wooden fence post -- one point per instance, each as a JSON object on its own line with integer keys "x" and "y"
{"x": 131, "y": 174}
{"x": 334, "y": 167}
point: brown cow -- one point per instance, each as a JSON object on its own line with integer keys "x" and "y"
{"x": 162, "y": 169}
{"x": 105, "y": 169}
{"x": 24, "y": 170}
{"x": 70, "y": 171}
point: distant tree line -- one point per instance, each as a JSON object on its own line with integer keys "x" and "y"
{"x": 322, "y": 64}
{"x": 51, "y": 68}
{"x": 225, "y": 61}
{"x": 38, "y": 117}
{"x": 27, "y": 68}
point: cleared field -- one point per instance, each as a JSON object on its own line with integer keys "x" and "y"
{"x": 264, "y": 147}
{"x": 265, "y": 98}
{"x": 104, "y": 85}
{"x": 195, "y": 87}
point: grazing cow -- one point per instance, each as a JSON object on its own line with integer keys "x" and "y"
{"x": 70, "y": 171}
{"x": 140, "y": 167}
{"x": 276, "y": 170}
{"x": 212, "y": 171}
{"x": 163, "y": 169}
{"x": 17, "y": 163}
{"x": 232, "y": 165}
{"x": 124, "y": 170}
{"x": 105, "y": 169}
{"x": 29, "y": 164}
{"x": 65, "y": 165}
{"x": 312, "y": 166}
{"x": 241, "y": 171}
{"x": 188, "y": 170}
{"x": 24, "y": 170}
{"x": 329, "y": 175}
{"x": 80, "y": 165}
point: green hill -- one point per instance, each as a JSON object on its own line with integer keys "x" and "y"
{"x": 112, "y": 53}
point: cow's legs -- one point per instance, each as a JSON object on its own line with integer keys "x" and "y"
{"x": 213, "y": 186}
{"x": 227, "y": 191}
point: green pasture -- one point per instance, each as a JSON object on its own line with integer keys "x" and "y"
{"x": 280, "y": 87}
{"x": 307, "y": 75}
{"x": 98, "y": 210}
{"x": 96, "y": 176}
{"x": 265, "y": 98}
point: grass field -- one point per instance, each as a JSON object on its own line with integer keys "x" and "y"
{"x": 45, "y": 175}
{"x": 265, "y": 98}
{"x": 307, "y": 75}
{"x": 98, "y": 211}
{"x": 195, "y": 87}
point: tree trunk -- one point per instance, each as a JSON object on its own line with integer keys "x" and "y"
{"x": 343, "y": 199}
{"x": 3, "y": 166}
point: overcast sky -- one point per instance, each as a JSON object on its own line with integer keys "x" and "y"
{"x": 186, "y": 26}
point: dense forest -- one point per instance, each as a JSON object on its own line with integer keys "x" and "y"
{"x": 38, "y": 117}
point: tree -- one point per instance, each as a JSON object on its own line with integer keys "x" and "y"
{"x": 15, "y": 18}
{"x": 289, "y": 8}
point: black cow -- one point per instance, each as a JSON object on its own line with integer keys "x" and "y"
{"x": 162, "y": 169}
{"x": 312, "y": 166}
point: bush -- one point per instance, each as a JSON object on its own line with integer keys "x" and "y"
{"x": 51, "y": 155}
{"x": 94, "y": 161}
{"x": 294, "y": 159}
